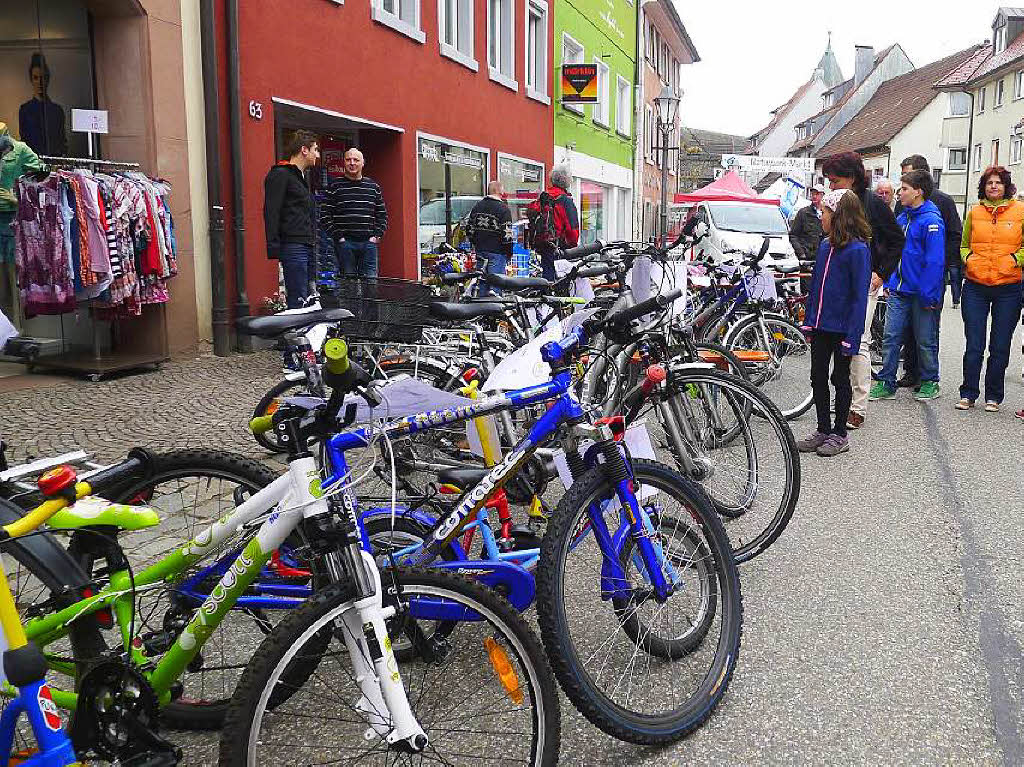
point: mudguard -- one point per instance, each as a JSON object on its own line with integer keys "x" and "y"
{"x": 513, "y": 582}
{"x": 43, "y": 555}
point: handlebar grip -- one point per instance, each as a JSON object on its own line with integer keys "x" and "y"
{"x": 595, "y": 271}
{"x": 138, "y": 464}
{"x": 336, "y": 356}
{"x": 572, "y": 254}
{"x": 261, "y": 424}
{"x": 644, "y": 307}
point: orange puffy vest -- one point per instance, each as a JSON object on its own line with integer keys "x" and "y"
{"x": 995, "y": 237}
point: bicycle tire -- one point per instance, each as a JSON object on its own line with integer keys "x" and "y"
{"x": 563, "y": 646}
{"x": 785, "y": 466}
{"x": 761, "y": 375}
{"x": 268, "y": 439}
{"x": 252, "y": 703}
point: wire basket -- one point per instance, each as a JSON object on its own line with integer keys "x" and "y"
{"x": 384, "y": 308}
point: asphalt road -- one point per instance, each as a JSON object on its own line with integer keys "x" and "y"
{"x": 884, "y": 627}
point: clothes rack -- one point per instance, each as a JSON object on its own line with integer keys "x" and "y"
{"x": 147, "y": 346}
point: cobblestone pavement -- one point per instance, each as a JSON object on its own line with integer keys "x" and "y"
{"x": 885, "y": 626}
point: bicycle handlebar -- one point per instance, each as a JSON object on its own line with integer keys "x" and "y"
{"x": 652, "y": 304}
{"x": 580, "y": 251}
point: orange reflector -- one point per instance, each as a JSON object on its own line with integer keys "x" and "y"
{"x": 779, "y": 336}
{"x": 503, "y": 668}
{"x": 714, "y": 358}
{"x": 751, "y": 355}
{"x": 273, "y": 406}
{"x": 447, "y": 489}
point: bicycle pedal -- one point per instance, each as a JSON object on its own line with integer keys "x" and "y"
{"x": 158, "y": 759}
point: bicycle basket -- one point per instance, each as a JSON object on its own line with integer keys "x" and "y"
{"x": 384, "y": 309}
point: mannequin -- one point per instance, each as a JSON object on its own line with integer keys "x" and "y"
{"x": 16, "y": 159}
{"x": 40, "y": 120}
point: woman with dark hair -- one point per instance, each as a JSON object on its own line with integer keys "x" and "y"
{"x": 846, "y": 171}
{"x": 992, "y": 249}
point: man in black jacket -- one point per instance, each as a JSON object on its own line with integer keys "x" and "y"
{"x": 954, "y": 275}
{"x": 805, "y": 233}
{"x": 846, "y": 171}
{"x": 490, "y": 231}
{"x": 288, "y": 215}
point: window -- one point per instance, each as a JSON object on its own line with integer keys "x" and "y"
{"x": 981, "y": 100}
{"x": 959, "y": 104}
{"x": 455, "y": 23}
{"x": 523, "y": 181}
{"x": 995, "y": 152}
{"x": 1000, "y": 41}
{"x": 501, "y": 39}
{"x": 648, "y": 131}
{"x": 400, "y": 15}
{"x": 572, "y": 53}
{"x": 977, "y": 157}
{"x": 1015, "y": 144}
{"x": 936, "y": 176}
{"x": 830, "y": 99}
{"x": 602, "y": 109}
{"x": 623, "y": 105}
{"x": 997, "y": 100}
{"x": 1018, "y": 84}
{"x": 957, "y": 159}
{"x": 537, "y": 78}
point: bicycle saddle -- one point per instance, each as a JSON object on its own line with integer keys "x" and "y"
{"x": 447, "y": 310}
{"x": 463, "y": 477}
{"x": 515, "y": 283}
{"x": 278, "y": 324}
{"x": 454, "y": 278}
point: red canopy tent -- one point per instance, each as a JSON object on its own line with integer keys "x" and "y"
{"x": 728, "y": 188}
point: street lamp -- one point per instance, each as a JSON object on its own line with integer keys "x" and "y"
{"x": 667, "y": 104}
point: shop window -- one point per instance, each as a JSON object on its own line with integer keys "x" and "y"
{"x": 572, "y": 53}
{"x": 401, "y": 15}
{"x": 501, "y": 39}
{"x": 593, "y": 208}
{"x": 537, "y": 50}
{"x": 455, "y": 30}
{"x": 452, "y": 180}
{"x": 602, "y": 109}
{"x": 523, "y": 181}
{"x": 623, "y": 106}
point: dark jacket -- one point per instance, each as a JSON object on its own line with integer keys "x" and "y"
{"x": 355, "y": 210}
{"x": 951, "y": 220}
{"x": 921, "y": 268}
{"x": 490, "y": 226}
{"x": 838, "y": 298}
{"x": 565, "y": 219}
{"x": 886, "y": 236}
{"x": 805, "y": 233}
{"x": 287, "y": 208}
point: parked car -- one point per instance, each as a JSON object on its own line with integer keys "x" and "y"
{"x": 739, "y": 225}
{"x": 432, "y": 219}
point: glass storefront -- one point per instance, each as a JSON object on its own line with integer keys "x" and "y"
{"x": 452, "y": 180}
{"x": 523, "y": 182}
{"x": 593, "y": 206}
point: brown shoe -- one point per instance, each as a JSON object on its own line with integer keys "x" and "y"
{"x": 854, "y": 420}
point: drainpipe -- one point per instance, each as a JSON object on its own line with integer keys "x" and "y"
{"x": 970, "y": 151}
{"x": 244, "y": 343}
{"x": 211, "y": 101}
{"x": 638, "y": 172}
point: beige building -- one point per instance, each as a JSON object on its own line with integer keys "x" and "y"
{"x": 985, "y": 122}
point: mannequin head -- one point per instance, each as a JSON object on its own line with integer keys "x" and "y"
{"x": 39, "y": 75}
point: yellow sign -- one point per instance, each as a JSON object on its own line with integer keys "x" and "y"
{"x": 579, "y": 83}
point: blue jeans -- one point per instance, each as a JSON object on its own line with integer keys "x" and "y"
{"x": 495, "y": 264}
{"x": 955, "y": 278}
{"x": 977, "y": 301}
{"x": 902, "y": 310}
{"x": 358, "y": 259}
{"x": 295, "y": 260}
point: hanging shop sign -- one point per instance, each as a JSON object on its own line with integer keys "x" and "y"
{"x": 768, "y": 164}
{"x": 579, "y": 83}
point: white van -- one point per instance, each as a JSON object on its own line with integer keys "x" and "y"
{"x": 739, "y": 225}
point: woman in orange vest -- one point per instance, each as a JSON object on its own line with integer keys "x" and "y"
{"x": 992, "y": 250}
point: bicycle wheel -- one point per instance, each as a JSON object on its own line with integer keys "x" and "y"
{"x": 457, "y": 697}
{"x": 739, "y": 448}
{"x": 658, "y": 680}
{"x": 781, "y": 359}
{"x": 269, "y": 403}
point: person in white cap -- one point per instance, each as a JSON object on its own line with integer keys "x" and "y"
{"x": 805, "y": 232}
{"x": 836, "y": 309}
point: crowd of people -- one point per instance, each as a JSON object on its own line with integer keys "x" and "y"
{"x": 907, "y": 245}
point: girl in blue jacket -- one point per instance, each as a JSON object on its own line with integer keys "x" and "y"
{"x": 836, "y": 306}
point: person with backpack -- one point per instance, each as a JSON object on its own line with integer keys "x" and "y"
{"x": 554, "y": 221}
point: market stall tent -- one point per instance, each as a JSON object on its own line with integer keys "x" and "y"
{"x": 728, "y": 188}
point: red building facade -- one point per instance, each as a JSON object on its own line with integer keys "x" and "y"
{"x": 440, "y": 95}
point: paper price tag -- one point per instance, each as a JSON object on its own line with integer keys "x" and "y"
{"x": 637, "y": 439}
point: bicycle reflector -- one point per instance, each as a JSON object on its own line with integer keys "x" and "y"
{"x": 503, "y": 668}
{"x": 57, "y": 481}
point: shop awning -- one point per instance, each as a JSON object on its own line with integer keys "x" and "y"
{"x": 294, "y": 114}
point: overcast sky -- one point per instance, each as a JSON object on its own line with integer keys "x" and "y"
{"x": 756, "y": 53}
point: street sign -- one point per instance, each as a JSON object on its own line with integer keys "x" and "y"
{"x": 89, "y": 120}
{"x": 768, "y": 164}
{"x": 579, "y": 83}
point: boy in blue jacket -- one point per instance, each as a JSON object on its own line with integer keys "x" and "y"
{"x": 836, "y": 308}
{"x": 915, "y": 289}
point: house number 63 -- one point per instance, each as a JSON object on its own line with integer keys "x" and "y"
{"x": 255, "y": 110}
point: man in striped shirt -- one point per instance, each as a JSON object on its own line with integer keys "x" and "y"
{"x": 355, "y": 215}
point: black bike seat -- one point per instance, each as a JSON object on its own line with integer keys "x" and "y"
{"x": 454, "y": 278}
{"x": 278, "y": 324}
{"x": 515, "y": 283}
{"x": 447, "y": 310}
{"x": 788, "y": 269}
{"x": 463, "y": 477}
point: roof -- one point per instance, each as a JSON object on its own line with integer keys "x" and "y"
{"x": 673, "y": 14}
{"x": 714, "y": 143}
{"x": 784, "y": 109}
{"x": 1005, "y": 57}
{"x": 831, "y": 73}
{"x": 963, "y": 74}
{"x": 893, "y": 105}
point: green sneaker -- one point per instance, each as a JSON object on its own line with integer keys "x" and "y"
{"x": 879, "y": 390}
{"x": 928, "y": 390}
